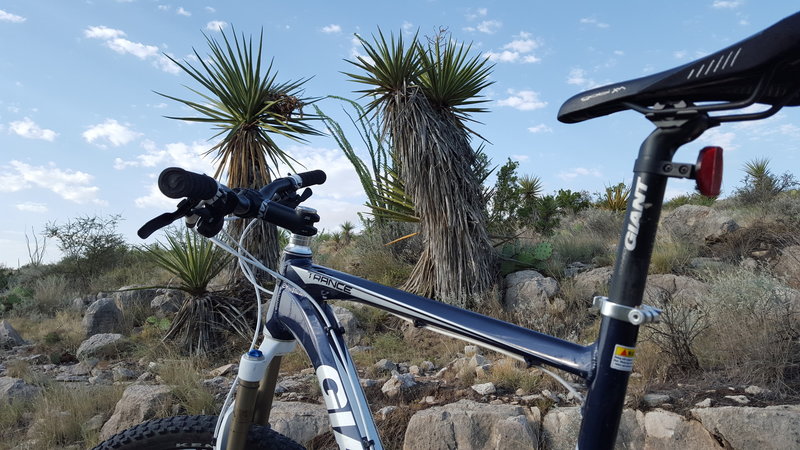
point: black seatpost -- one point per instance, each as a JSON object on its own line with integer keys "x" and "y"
{"x": 617, "y": 338}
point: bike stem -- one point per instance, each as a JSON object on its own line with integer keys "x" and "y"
{"x": 617, "y": 338}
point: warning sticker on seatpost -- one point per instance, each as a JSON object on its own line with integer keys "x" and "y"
{"x": 623, "y": 358}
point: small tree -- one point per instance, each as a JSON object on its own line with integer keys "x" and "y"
{"x": 760, "y": 185}
{"x": 90, "y": 245}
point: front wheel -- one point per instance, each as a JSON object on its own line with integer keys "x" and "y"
{"x": 190, "y": 432}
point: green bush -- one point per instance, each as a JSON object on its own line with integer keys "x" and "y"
{"x": 690, "y": 199}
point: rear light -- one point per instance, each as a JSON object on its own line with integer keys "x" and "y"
{"x": 708, "y": 171}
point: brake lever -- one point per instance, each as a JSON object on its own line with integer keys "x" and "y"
{"x": 152, "y": 225}
{"x": 293, "y": 200}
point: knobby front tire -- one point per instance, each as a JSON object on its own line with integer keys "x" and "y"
{"x": 190, "y": 432}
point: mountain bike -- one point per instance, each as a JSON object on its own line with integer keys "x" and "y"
{"x": 682, "y": 103}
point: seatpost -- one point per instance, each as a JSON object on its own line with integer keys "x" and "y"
{"x": 616, "y": 344}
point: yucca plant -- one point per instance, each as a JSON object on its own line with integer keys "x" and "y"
{"x": 615, "y": 197}
{"x": 204, "y": 317}
{"x": 247, "y": 106}
{"x": 424, "y": 95}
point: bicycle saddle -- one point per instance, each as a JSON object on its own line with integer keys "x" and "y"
{"x": 766, "y": 64}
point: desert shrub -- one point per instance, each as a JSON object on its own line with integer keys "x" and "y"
{"x": 760, "y": 185}
{"x": 759, "y": 236}
{"x": 786, "y": 208}
{"x": 577, "y": 245}
{"x": 754, "y": 326}
{"x": 12, "y": 298}
{"x": 671, "y": 254}
{"x": 573, "y": 201}
{"x": 694, "y": 198}
{"x": 614, "y": 198}
{"x": 601, "y": 222}
{"x": 682, "y": 322}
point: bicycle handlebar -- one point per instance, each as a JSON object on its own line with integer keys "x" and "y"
{"x": 207, "y": 202}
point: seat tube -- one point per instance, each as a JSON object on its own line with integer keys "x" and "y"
{"x": 617, "y": 338}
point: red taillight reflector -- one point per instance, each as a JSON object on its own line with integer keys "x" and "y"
{"x": 708, "y": 172}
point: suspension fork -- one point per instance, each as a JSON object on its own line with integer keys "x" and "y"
{"x": 616, "y": 344}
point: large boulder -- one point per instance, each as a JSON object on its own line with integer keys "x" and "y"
{"x": 352, "y": 328}
{"x": 773, "y": 427}
{"x": 697, "y": 223}
{"x": 528, "y": 290}
{"x": 103, "y": 346}
{"x": 8, "y": 336}
{"x": 167, "y": 302}
{"x": 134, "y": 298}
{"x": 787, "y": 265}
{"x": 560, "y": 429}
{"x": 674, "y": 288}
{"x": 102, "y": 316}
{"x": 470, "y": 425}
{"x": 299, "y": 421}
{"x": 595, "y": 281}
{"x": 139, "y": 402}
{"x": 667, "y": 430}
{"x": 16, "y": 390}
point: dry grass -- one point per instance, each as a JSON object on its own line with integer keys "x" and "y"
{"x": 185, "y": 376}
{"x": 510, "y": 374}
{"x": 54, "y": 336}
{"x": 671, "y": 254}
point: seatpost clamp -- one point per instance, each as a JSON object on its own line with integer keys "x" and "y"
{"x": 635, "y": 316}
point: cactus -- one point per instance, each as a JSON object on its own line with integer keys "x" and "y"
{"x": 516, "y": 256}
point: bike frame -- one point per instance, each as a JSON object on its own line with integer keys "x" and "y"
{"x": 299, "y": 313}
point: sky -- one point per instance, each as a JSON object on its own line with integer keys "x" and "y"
{"x": 83, "y": 131}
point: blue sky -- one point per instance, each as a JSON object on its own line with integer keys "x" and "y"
{"x": 83, "y": 133}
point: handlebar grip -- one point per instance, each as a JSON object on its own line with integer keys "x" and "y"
{"x": 175, "y": 182}
{"x": 312, "y": 177}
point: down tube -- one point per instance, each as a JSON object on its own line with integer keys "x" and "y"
{"x": 315, "y": 327}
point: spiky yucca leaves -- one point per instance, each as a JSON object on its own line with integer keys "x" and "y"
{"x": 204, "y": 317}
{"x": 424, "y": 94}
{"x": 247, "y": 106}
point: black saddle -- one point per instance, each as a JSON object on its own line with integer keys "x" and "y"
{"x": 764, "y": 68}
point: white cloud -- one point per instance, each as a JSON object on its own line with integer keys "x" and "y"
{"x": 27, "y": 128}
{"x": 216, "y": 25}
{"x": 68, "y": 184}
{"x": 155, "y": 199}
{"x": 517, "y": 50}
{"x": 680, "y": 54}
{"x": 407, "y": 26}
{"x": 332, "y": 28}
{"x": 342, "y": 182}
{"x": 541, "y": 128}
{"x": 578, "y": 77}
{"x": 13, "y": 18}
{"x": 112, "y": 38}
{"x": 163, "y": 7}
{"x": 489, "y": 26}
{"x": 523, "y": 100}
{"x": 137, "y": 49}
{"x": 593, "y": 21}
{"x": 111, "y": 131}
{"x": 187, "y": 156}
{"x": 579, "y": 172}
{"x": 102, "y": 32}
{"x": 183, "y": 12}
{"x": 480, "y": 12}
{"x": 32, "y": 207}
{"x": 726, "y": 4}
{"x": 520, "y": 158}
{"x": 716, "y": 137}
{"x": 210, "y": 9}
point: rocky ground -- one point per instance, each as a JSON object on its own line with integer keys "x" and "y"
{"x": 430, "y": 406}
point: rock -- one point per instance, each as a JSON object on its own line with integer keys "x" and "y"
{"x": 740, "y": 399}
{"x": 139, "y": 402}
{"x": 397, "y": 384}
{"x": 352, "y": 328}
{"x": 484, "y": 388}
{"x": 123, "y": 374}
{"x": 560, "y": 429}
{"x": 95, "y": 423}
{"x": 669, "y": 288}
{"x": 470, "y": 350}
{"x": 667, "y": 430}
{"x": 595, "y": 281}
{"x": 299, "y": 421}
{"x": 528, "y": 290}
{"x": 8, "y": 336}
{"x": 575, "y": 268}
{"x": 14, "y": 390}
{"x": 106, "y": 345}
{"x": 167, "y": 302}
{"x": 227, "y": 369}
{"x": 653, "y": 400}
{"x": 386, "y": 411}
{"x": 788, "y": 265}
{"x": 102, "y": 316}
{"x": 704, "y": 404}
{"x": 697, "y": 223}
{"x": 756, "y": 390}
{"x": 134, "y": 298}
{"x": 471, "y": 425}
{"x": 703, "y": 263}
{"x": 385, "y": 365}
{"x": 773, "y": 427}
